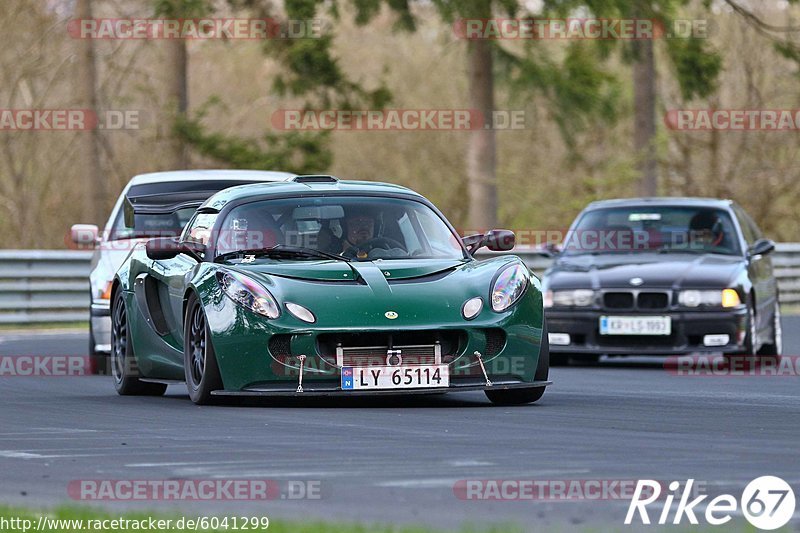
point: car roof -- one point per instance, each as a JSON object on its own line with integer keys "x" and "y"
{"x": 328, "y": 184}
{"x": 210, "y": 174}
{"x": 662, "y": 201}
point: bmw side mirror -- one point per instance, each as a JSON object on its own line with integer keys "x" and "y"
{"x": 170, "y": 247}
{"x": 499, "y": 240}
{"x": 761, "y": 247}
{"x": 85, "y": 235}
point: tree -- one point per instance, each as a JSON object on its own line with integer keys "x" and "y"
{"x": 96, "y": 193}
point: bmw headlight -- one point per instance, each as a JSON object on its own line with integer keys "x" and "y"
{"x": 508, "y": 287}
{"x": 715, "y": 298}
{"x": 571, "y": 298}
{"x": 249, "y": 294}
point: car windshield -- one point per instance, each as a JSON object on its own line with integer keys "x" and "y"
{"x": 663, "y": 229}
{"x": 352, "y": 228}
{"x": 147, "y": 225}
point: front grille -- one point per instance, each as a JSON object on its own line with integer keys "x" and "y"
{"x": 652, "y": 300}
{"x": 635, "y": 341}
{"x": 495, "y": 341}
{"x": 377, "y": 355}
{"x": 366, "y": 349}
{"x": 628, "y": 300}
{"x": 280, "y": 346}
{"x": 618, "y": 300}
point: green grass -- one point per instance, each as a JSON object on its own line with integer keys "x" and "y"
{"x": 50, "y": 325}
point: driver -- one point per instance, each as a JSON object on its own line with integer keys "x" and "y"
{"x": 359, "y": 227}
{"x": 705, "y": 229}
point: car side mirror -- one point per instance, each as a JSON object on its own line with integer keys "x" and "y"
{"x": 500, "y": 240}
{"x": 85, "y": 235}
{"x": 163, "y": 248}
{"x": 761, "y": 247}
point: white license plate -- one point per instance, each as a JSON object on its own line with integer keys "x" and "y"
{"x": 635, "y": 325}
{"x": 395, "y": 377}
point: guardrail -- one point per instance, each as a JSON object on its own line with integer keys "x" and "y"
{"x": 45, "y": 286}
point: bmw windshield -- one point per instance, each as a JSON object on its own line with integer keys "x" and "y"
{"x": 662, "y": 229}
{"x": 350, "y": 228}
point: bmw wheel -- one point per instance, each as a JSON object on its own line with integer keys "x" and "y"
{"x": 775, "y": 347}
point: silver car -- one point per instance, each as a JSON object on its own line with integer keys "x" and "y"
{"x": 171, "y": 198}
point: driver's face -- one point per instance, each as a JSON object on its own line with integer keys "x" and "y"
{"x": 360, "y": 228}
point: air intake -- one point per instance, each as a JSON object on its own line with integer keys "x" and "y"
{"x": 315, "y": 179}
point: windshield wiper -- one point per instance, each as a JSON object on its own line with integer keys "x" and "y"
{"x": 282, "y": 250}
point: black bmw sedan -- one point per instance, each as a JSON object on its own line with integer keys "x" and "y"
{"x": 662, "y": 276}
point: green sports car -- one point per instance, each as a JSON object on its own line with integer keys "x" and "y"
{"x": 309, "y": 285}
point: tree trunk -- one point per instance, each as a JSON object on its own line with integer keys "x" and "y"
{"x": 95, "y": 186}
{"x": 177, "y": 89}
{"x": 482, "y": 152}
{"x": 644, "y": 97}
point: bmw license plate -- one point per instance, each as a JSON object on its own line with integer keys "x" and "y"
{"x": 635, "y": 325}
{"x": 395, "y": 377}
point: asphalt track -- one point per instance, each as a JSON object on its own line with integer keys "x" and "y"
{"x": 397, "y": 460}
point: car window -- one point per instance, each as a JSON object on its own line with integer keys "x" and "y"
{"x": 151, "y": 225}
{"x": 199, "y": 229}
{"x": 749, "y": 228}
{"x": 360, "y": 228}
{"x": 647, "y": 228}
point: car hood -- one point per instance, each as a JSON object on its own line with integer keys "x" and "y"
{"x": 343, "y": 271}
{"x": 656, "y": 270}
{"x": 420, "y": 292}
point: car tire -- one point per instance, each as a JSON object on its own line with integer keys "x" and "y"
{"x": 124, "y": 368}
{"x": 531, "y": 394}
{"x": 200, "y": 360}
{"x": 774, "y": 348}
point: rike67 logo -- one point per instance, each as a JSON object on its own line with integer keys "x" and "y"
{"x": 767, "y": 503}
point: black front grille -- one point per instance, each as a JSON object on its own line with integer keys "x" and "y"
{"x": 495, "y": 341}
{"x": 618, "y": 300}
{"x": 636, "y": 341}
{"x": 652, "y": 300}
{"x": 280, "y": 346}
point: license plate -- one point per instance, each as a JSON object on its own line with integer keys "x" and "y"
{"x": 635, "y": 325}
{"x": 395, "y": 377}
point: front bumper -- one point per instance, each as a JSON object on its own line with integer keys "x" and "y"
{"x": 100, "y": 316}
{"x": 688, "y": 330}
{"x": 332, "y": 389}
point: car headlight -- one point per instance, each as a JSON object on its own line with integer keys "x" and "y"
{"x": 508, "y": 287}
{"x": 571, "y": 298}
{"x": 716, "y": 298}
{"x": 249, "y": 294}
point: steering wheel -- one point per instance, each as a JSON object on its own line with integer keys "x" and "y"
{"x": 384, "y": 243}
